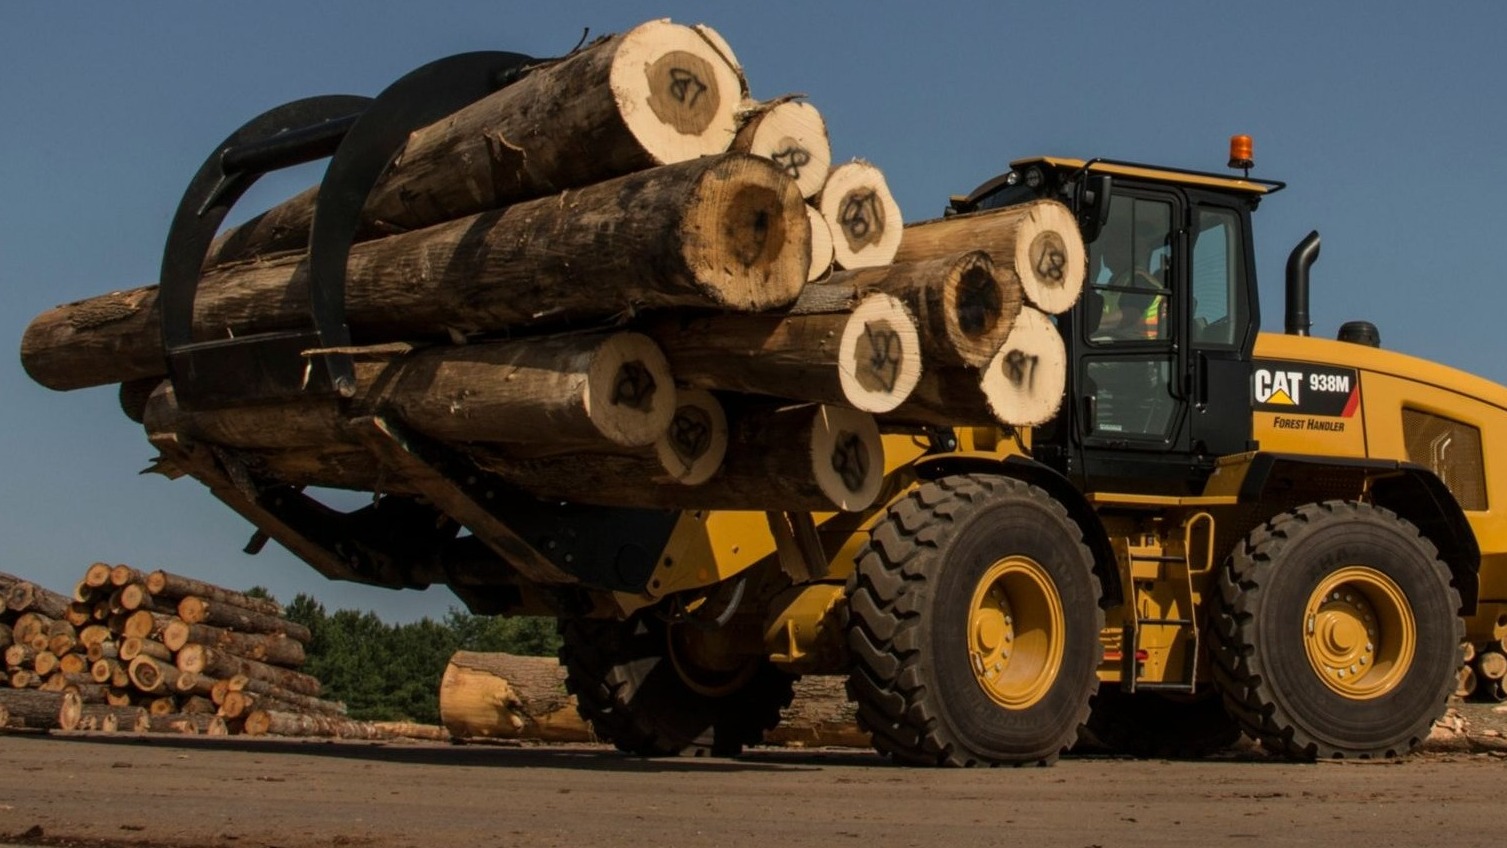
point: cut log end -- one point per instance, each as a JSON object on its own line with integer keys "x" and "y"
{"x": 630, "y": 394}
{"x": 693, "y": 446}
{"x": 743, "y": 236}
{"x": 847, "y": 457}
{"x": 863, "y": 215}
{"x": 1050, "y": 257}
{"x": 792, "y": 135}
{"x": 677, "y": 93}
{"x": 1025, "y": 380}
{"x": 980, "y": 304}
{"x": 879, "y": 354}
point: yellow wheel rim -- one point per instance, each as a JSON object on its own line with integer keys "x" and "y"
{"x": 1359, "y": 632}
{"x": 1015, "y": 632}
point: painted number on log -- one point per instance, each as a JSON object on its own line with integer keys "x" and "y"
{"x": 1020, "y": 369}
{"x": 1049, "y": 258}
{"x": 861, "y": 217}
{"x": 690, "y": 433}
{"x": 878, "y": 357}
{"x": 683, "y": 92}
{"x": 634, "y": 386}
{"x": 850, "y": 459}
{"x": 791, "y": 157}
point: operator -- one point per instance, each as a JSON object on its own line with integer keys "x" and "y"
{"x": 1128, "y": 315}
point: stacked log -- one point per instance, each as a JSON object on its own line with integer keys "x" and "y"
{"x": 543, "y": 274}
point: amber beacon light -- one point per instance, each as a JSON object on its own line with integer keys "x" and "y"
{"x": 1241, "y": 150}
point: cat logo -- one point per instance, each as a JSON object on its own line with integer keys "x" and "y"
{"x": 1278, "y": 388}
{"x": 1292, "y": 387}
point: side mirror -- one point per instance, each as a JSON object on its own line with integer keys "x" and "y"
{"x": 1093, "y": 204}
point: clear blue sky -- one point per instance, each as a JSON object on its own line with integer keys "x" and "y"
{"x": 1387, "y": 120}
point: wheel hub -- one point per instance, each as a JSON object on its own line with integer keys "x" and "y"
{"x": 1359, "y": 632}
{"x": 1015, "y": 632}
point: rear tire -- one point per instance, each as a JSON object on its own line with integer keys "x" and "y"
{"x": 1337, "y": 633}
{"x": 973, "y": 624}
{"x": 628, "y": 688}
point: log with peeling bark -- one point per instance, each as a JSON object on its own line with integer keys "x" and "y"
{"x": 495, "y": 695}
{"x": 792, "y": 134}
{"x": 25, "y": 596}
{"x": 1021, "y": 386}
{"x": 199, "y": 611}
{"x": 862, "y": 215}
{"x": 30, "y": 708}
{"x": 268, "y": 648}
{"x": 688, "y": 453}
{"x": 279, "y": 723}
{"x": 724, "y": 232}
{"x": 165, "y": 584}
{"x": 218, "y": 663}
{"x": 1039, "y": 241}
{"x": 657, "y": 94}
{"x": 866, "y": 355}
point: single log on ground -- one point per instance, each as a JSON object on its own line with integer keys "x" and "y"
{"x": 25, "y": 596}
{"x": 411, "y": 730}
{"x": 688, "y": 453}
{"x": 1021, "y": 386}
{"x": 723, "y": 232}
{"x": 494, "y": 695}
{"x": 164, "y": 584}
{"x": 821, "y": 245}
{"x": 268, "y": 648}
{"x": 31, "y": 709}
{"x": 792, "y": 134}
{"x": 866, "y": 355}
{"x": 200, "y": 611}
{"x": 278, "y": 723}
{"x": 863, "y": 216}
{"x": 218, "y": 663}
{"x": 657, "y": 94}
{"x": 1039, "y": 241}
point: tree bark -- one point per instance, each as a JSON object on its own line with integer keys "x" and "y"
{"x": 199, "y": 611}
{"x": 31, "y": 709}
{"x": 218, "y": 663}
{"x": 25, "y": 596}
{"x": 268, "y": 648}
{"x": 74, "y": 713}
{"x": 862, "y": 215}
{"x": 722, "y": 232}
{"x": 273, "y": 692}
{"x": 152, "y": 676}
{"x": 1039, "y": 241}
{"x": 142, "y": 624}
{"x": 189, "y": 724}
{"x": 169, "y": 586}
{"x": 135, "y": 646}
{"x": 278, "y": 723}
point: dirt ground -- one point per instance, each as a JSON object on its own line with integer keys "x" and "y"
{"x": 91, "y": 790}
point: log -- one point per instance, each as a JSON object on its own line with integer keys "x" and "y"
{"x": 218, "y": 663}
{"x": 188, "y": 724}
{"x": 199, "y": 611}
{"x": 105, "y": 670}
{"x": 163, "y": 584}
{"x": 94, "y": 634}
{"x": 125, "y": 575}
{"x": 25, "y": 596}
{"x": 135, "y": 646}
{"x": 411, "y": 730}
{"x": 73, "y": 713}
{"x": 820, "y": 716}
{"x": 274, "y": 649}
{"x": 7, "y": 580}
{"x": 273, "y": 692}
{"x": 688, "y": 453}
{"x": 279, "y": 723}
{"x": 97, "y": 576}
{"x": 132, "y": 597}
{"x": 1022, "y": 386}
{"x": 27, "y": 626}
{"x": 657, "y": 94}
{"x": 722, "y": 232}
{"x": 1039, "y": 241}
{"x": 6, "y": 637}
{"x": 73, "y": 664}
{"x": 20, "y": 656}
{"x": 1491, "y": 665}
{"x": 142, "y": 624}
{"x": 792, "y": 134}
{"x": 821, "y": 245}
{"x": 195, "y": 704}
{"x": 163, "y": 705}
{"x": 867, "y": 357}
{"x": 194, "y": 683}
{"x": 501, "y": 696}
{"x": 151, "y": 675}
{"x": 44, "y": 663}
{"x": 118, "y": 696}
{"x": 21, "y": 678}
{"x": 862, "y": 215}
{"x": 30, "y": 709}
{"x": 103, "y": 650}
{"x": 79, "y": 613}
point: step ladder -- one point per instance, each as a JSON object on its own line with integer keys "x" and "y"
{"x": 1148, "y": 566}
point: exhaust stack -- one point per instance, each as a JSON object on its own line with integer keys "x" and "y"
{"x": 1298, "y": 262}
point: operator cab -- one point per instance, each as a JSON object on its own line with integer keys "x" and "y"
{"x": 1159, "y": 345}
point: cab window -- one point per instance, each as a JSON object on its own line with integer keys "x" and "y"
{"x": 1218, "y": 269}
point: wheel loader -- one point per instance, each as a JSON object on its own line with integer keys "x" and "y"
{"x": 1221, "y": 530}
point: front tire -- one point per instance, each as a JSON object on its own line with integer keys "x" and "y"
{"x": 1337, "y": 633}
{"x": 973, "y": 623}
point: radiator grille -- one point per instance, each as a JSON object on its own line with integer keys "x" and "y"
{"x": 1452, "y": 450}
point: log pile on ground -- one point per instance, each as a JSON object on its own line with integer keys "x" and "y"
{"x": 135, "y": 652}
{"x": 619, "y": 255}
